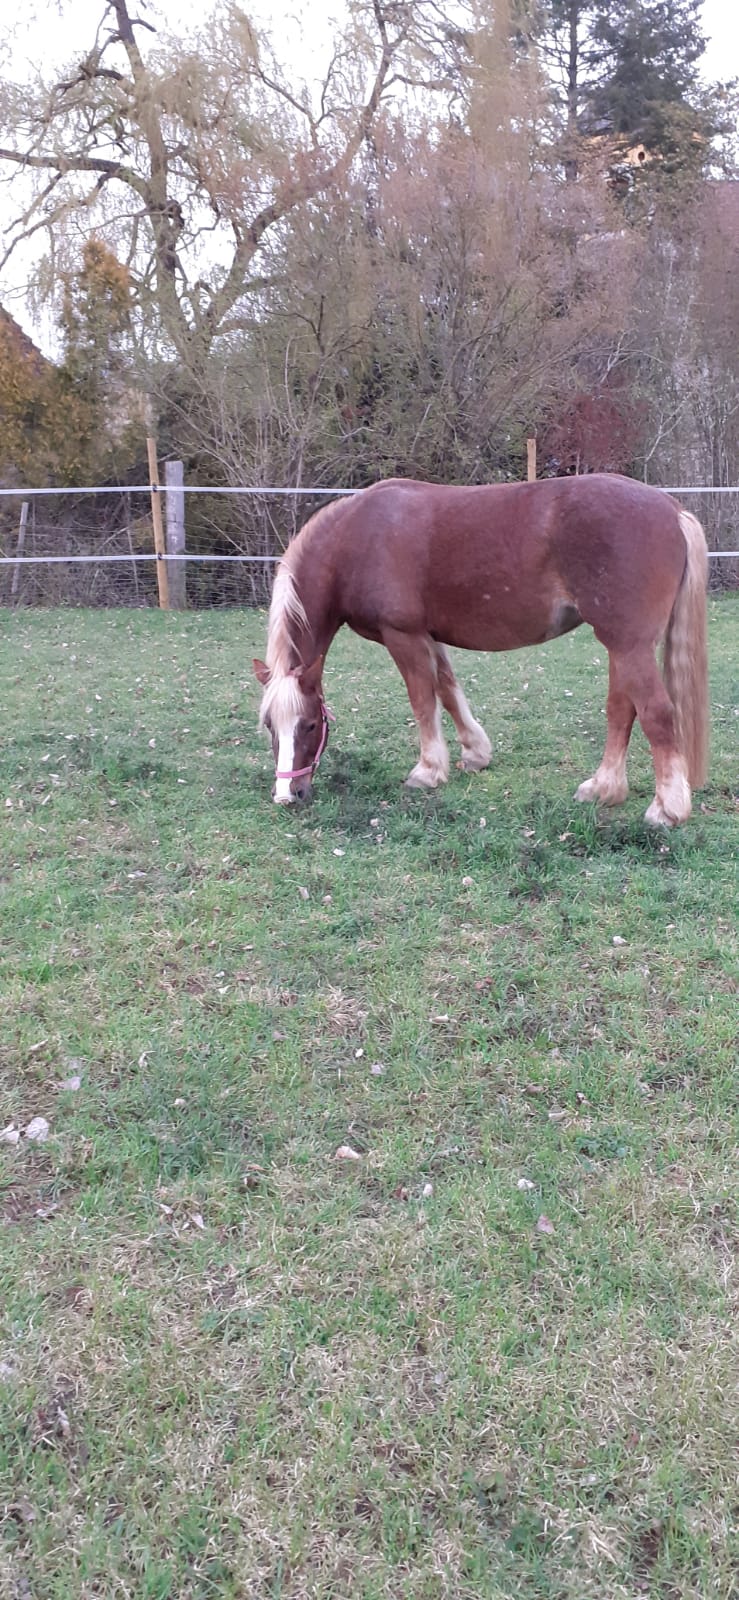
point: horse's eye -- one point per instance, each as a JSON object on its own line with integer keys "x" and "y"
{"x": 311, "y": 728}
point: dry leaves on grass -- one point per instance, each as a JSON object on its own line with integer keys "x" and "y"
{"x": 344, "y": 1013}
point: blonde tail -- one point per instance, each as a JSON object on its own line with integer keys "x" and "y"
{"x": 686, "y": 656}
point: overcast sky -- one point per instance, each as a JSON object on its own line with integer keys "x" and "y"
{"x": 45, "y": 30}
{"x": 35, "y": 35}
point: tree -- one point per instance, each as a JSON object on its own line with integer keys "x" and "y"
{"x": 648, "y": 53}
{"x": 95, "y": 378}
{"x": 188, "y": 157}
{"x": 627, "y": 73}
{"x": 25, "y": 388}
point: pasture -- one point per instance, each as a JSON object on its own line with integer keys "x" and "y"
{"x": 492, "y": 1353}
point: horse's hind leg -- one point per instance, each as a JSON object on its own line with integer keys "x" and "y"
{"x": 639, "y": 683}
{"x": 609, "y": 784}
{"x": 414, "y": 657}
{"x": 476, "y": 746}
{"x": 672, "y": 802}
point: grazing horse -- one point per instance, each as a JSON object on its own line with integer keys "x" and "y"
{"x": 419, "y": 566}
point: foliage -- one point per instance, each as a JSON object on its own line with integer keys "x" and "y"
{"x": 24, "y": 388}
{"x": 70, "y": 423}
{"x": 389, "y": 273}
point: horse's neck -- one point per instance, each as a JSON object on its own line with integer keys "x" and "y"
{"x": 313, "y": 637}
{"x": 314, "y": 630}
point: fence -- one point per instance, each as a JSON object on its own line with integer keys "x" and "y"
{"x": 95, "y": 547}
{"x": 66, "y": 549}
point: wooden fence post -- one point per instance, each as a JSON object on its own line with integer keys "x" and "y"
{"x": 174, "y": 519}
{"x": 19, "y": 550}
{"x": 156, "y": 517}
{"x": 531, "y": 459}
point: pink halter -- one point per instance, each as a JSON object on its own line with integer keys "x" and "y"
{"x": 326, "y": 717}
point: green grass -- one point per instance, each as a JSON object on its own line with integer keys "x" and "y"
{"x": 232, "y": 1365}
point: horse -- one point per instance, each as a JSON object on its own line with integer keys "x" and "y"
{"x": 418, "y": 567}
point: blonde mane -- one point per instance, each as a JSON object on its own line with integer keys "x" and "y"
{"x": 283, "y": 698}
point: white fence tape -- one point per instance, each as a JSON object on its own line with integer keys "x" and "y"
{"x": 198, "y": 488}
{"x": 169, "y": 488}
{"x": 193, "y": 488}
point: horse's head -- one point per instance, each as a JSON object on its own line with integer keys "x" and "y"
{"x": 296, "y": 717}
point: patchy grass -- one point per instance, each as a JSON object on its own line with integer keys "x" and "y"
{"x": 232, "y": 1365}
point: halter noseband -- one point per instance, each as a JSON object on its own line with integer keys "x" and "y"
{"x": 326, "y": 717}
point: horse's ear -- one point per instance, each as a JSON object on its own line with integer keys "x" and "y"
{"x": 309, "y": 678}
{"x": 262, "y": 671}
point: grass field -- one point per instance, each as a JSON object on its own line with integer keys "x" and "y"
{"x": 494, "y": 1354}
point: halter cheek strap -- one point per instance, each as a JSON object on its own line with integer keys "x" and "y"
{"x": 301, "y": 772}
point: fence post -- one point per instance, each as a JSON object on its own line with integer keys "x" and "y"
{"x": 156, "y": 517}
{"x": 174, "y": 518}
{"x": 531, "y": 459}
{"x": 19, "y": 550}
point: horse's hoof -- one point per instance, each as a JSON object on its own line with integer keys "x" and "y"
{"x": 672, "y": 803}
{"x": 419, "y": 780}
{"x": 473, "y": 763}
{"x": 657, "y": 817}
{"x": 591, "y": 790}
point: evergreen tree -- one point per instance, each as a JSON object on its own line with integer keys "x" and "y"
{"x": 648, "y": 56}
{"x": 627, "y": 70}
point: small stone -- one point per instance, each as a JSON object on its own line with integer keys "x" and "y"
{"x": 525, "y": 1183}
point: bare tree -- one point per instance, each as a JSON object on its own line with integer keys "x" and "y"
{"x": 188, "y": 156}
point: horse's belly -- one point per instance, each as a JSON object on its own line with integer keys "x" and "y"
{"x": 502, "y": 623}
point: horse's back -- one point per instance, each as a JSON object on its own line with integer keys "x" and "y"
{"x": 496, "y": 566}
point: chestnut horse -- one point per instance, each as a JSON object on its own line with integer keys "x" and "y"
{"x": 418, "y": 566}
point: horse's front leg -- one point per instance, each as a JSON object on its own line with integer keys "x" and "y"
{"x": 414, "y": 657}
{"x": 476, "y": 746}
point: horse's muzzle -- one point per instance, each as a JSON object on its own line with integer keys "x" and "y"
{"x": 299, "y": 791}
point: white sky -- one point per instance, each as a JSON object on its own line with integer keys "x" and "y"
{"x": 35, "y": 35}
{"x": 47, "y": 30}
